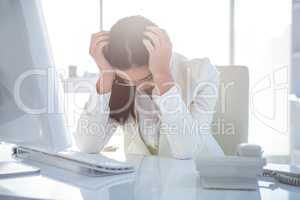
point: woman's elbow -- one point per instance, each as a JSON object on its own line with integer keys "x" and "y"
{"x": 182, "y": 153}
{"x": 87, "y": 139}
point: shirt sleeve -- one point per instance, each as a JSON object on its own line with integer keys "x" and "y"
{"x": 95, "y": 128}
{"x": 187, "y": 128}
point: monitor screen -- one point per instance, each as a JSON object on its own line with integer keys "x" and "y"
{"x": 30, "y": 110}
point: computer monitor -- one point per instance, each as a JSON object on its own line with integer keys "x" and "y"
{"x": 30, "y": 107}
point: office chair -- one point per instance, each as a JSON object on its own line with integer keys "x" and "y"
{"x": 230, "y": 123}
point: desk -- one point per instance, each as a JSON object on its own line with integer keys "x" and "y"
{"x": 156, "y": 178}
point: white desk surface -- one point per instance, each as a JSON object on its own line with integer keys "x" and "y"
{"x": 156, "y": 178}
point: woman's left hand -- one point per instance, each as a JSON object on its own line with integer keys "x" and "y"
{"x": 159, "y": 57}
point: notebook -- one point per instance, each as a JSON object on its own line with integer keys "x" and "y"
{"x": 78, "y": 162}
{"x": 12, "y": 169}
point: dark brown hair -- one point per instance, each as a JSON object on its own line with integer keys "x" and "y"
{"x": 124, "y": 50}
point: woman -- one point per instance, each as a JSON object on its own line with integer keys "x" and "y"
{"x": 163, "y": 102}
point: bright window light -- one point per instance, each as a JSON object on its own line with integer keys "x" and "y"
{"x": 70, "y": 25}
{"x": 196, "y": 28}
{"x": 263, "y": 45}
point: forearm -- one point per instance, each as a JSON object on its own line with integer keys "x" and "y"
{"x": 104, "y": 83}
{"x": 181, "y": 136}
{"x": 185, "y": 134}
{"x": 162, "y": 83}
{"x": 176, "y": 124}
{"x": 93, "y": 133}
{"x": 94, "y": 127}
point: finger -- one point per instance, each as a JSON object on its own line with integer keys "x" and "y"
{"x": 163, "y": 35}
{"x": 94, "y": 35}
{"x": 155, "y": 30}
{"x": 154, "y": 38}
{"x": 99, "y": 37}
{"x": 100, "y": 46}
{"x": 166, "y": 36}
{"x": 148, "y": 46}
{"x": 98, "y": 40}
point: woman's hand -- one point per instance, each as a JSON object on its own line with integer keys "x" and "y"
{"x": 159, "y": 58}
{"x": 98, "y": 42}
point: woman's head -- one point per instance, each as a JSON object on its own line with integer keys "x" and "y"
{"x": 127, "y": 53}
{"x": 126, "y": 48}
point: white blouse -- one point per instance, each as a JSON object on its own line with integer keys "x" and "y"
{"x": 175, "y": 124}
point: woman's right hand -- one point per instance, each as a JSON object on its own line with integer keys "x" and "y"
{"x": 98, "y": 42}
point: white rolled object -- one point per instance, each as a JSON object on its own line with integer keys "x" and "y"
{"x": 30, "y": 106}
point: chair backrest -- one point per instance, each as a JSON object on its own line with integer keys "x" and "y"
{"x": 230, "y": 123}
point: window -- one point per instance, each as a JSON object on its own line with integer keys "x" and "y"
{"x": 197, "y": 28}
{"x": 263, "y": 45}
{"x": 70, "y": 25}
